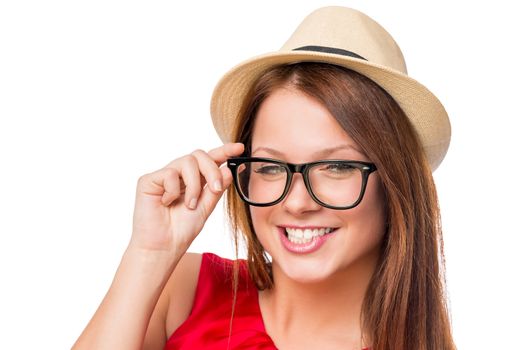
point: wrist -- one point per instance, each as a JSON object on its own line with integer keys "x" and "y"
{"x": 151, "y": 266}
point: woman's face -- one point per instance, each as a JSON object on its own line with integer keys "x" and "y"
{"x": 296, "y": 128}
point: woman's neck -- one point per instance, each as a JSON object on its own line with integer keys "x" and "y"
{"x": 328, "y": 309}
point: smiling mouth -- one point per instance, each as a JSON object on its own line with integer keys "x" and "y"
{"x": 304, "y": 236}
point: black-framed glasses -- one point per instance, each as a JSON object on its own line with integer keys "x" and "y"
{"x": 333, "y": 183}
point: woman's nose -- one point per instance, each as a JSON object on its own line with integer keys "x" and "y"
{"x": 298, "y": 200}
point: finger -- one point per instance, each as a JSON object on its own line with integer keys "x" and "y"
{"x": 228, "y": 150}
{"x": 171, "y": 186}
{"x": 164, "y": 182}
{"x": 209, "y": 199}
{"x": 191, "y": 178}
{"x": 219, "y": 154}
{"x": 227, "y": 176}
{"x": 209, "y": 170}
{"x": 154, "y": 184}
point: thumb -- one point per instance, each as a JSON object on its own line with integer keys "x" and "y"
{"x": 209, "y": 199}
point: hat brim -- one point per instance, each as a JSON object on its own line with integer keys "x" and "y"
{"x": 423, "y": 109}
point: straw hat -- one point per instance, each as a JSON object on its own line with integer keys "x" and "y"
{"x": 348, "y": 38}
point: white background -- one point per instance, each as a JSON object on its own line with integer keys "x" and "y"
{"x": 94, "y": 94}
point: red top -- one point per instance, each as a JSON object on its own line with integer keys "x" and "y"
{"x": 208, "y": 325}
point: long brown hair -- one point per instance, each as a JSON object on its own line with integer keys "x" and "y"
{"x": 405, "y": 305}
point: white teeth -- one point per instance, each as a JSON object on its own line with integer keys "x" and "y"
{"x": 299, "y": 236}
{"x": 308, "y": 234}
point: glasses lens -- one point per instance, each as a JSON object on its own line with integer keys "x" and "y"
{"x": 336, "y": 184}
{"x": 261, "y": 182}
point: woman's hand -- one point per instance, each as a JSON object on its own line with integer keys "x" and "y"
{"x": 173, "y": 203}
{"x": 171, "y": 207}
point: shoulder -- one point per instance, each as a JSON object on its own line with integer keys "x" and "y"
{"x": 197, "y": 279}
{"x": 180, "y": 290}
{"x": 205, "y": 274}
{"x": 175, "y": 301}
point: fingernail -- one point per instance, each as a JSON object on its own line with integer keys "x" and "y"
{"x": 193, "y": 203}
{"x": 217, "y": 185}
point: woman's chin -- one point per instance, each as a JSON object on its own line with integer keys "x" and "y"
{"x": 306, "y": 274}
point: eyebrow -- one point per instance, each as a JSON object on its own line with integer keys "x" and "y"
{"x": 319, "y": 154}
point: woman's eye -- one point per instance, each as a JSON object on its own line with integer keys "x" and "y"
{"x": 339, "y": 168}
{"x": 270, "y": 170}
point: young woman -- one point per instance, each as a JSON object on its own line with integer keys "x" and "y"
{"x": 332, "y": 160}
